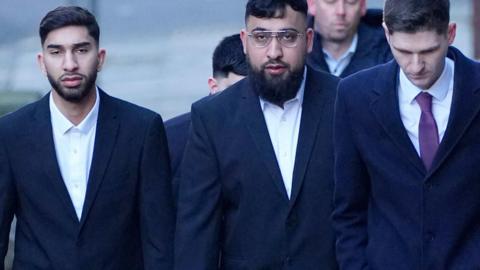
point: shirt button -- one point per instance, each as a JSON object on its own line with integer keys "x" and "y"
{"x": 74, "y": 151}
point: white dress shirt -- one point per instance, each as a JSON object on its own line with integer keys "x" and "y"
{"x": 441, "y": 91}
{"x": 337, "y": 66}
{"x": 283, "y": 126}
{"x": 74, "y": 150}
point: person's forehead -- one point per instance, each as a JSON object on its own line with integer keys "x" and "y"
{"x": 416, "y": 41}
{"x": 68, "y": 35}
{"x": 290, "y": 19}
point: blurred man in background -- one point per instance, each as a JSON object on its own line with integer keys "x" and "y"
{"x": 347, "y": 37}
{"x": 228, "y": 67}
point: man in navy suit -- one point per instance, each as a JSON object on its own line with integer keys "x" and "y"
{"x": 228, "y": 67}
{"x": 257, "y": 176}
{"x": 87, "y": 175}
{"x": 407, "y": 150}
{"x": 348, "y": 37}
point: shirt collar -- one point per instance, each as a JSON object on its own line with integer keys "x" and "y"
{"x": 438, "y": 90}
{"x": 62, "y": 125}
{"x": 298, "y": 97}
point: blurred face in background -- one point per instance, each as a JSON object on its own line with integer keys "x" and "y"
{"x": 337, "y": 20}
{"x": 219, "y": 83}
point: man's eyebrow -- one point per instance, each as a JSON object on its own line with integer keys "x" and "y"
{"x": 75, "y": 45}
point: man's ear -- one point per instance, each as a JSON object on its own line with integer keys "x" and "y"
{"x": 243, "y": 37}
{"x": 312, "y": 9}
{"x": 102, "y": 54}
{"x": 452, "y": 32}
{"x": 41, "y": 63}
{"x": 212, "y": 84}
{"x": 387, "y": 33}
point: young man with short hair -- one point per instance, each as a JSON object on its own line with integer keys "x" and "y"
{"x": 407, "y": 152}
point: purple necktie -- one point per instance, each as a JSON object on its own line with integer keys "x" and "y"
{"x": 427, "y": 130}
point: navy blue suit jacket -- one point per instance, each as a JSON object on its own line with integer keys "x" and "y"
{"x": 177, "y": 135}
{"x": 127, "y": 220}
{"x": 390, "y": 213}
{"x": 372, "y": 50}
{"x": 232, "y": 201}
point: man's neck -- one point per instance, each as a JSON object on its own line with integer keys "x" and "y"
{"x": 75, "y": 112}
{"x": 337, "y": 49}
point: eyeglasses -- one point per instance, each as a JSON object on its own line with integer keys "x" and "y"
{"x": 287, "y": 38}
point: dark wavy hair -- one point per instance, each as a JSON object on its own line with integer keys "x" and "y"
{"x": 69, "y": 16}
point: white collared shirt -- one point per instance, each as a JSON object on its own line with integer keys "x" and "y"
{"x": 283, "y": 127}
{"x": 441, "y": 91}
{"x": 74, "y": 149}
{"x": 337, "y": 66}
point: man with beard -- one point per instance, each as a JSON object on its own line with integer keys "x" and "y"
{"x": 228, "y": 67}
{"x": 88, "y": 193}
{"x": 260, "y": 195}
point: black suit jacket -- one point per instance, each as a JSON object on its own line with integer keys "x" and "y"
{"x": 232, "y": 201}
{"x": 177, "y": 135}
{"x": 127, "y": 220}
{"x": 390, "y": 213}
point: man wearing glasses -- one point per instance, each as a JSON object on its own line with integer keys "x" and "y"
{"x": 260, "y": 195}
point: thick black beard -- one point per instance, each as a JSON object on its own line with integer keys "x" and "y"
{"x": 74, "y": 95}
{"x": 276, "y": 89}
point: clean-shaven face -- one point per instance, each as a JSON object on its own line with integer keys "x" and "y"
{"x": 421, "y": 55}
{"x": 337, "y": 20}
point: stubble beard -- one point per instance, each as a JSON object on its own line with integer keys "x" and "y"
{"x": 74, "y": 94}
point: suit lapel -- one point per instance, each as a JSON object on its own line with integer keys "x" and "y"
{"x": 312, "y": 110}
{"x": 385, "y": 107}
{"x": 105, "y": 139}
{"x": 257, "y": 128}
{"x": 43, "y": 142}
{"x": 465, "y": 105}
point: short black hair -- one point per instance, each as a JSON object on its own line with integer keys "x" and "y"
{"x": 69, "y": 16}
{"x": 273, "y": 8}
{"x": 417, "y": 15}
{"x": 229, "y": 57}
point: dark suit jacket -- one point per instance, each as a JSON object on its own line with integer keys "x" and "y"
{"x": 390, "y": 213}
{"x": 127, "y": 221}
{"x": 177, "y": 135}
{"x": 232, "y": 199}
{"x": 372, "y": 49}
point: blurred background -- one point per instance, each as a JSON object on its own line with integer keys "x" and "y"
{"x": 158, "y": 52}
